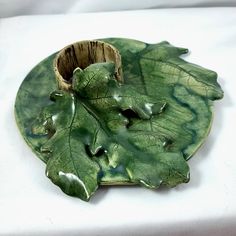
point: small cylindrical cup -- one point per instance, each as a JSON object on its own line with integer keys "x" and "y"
{"x": 82, "y": 54}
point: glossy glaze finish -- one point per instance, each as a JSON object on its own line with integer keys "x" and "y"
{"x": 103, "y": 132}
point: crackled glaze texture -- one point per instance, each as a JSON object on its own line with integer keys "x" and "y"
{"x": 105, "y": 131}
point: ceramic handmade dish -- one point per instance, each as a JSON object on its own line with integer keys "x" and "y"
{"x": 116, "y": 111}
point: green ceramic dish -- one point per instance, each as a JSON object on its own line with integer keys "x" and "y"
{"x": 108, "y": 127}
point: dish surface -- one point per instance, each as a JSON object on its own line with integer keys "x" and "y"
{"x": 165, "y": 122}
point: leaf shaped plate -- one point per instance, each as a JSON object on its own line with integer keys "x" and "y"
{"x": 104, "y": 131}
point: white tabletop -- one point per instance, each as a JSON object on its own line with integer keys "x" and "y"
{"x": 31, "y": 205}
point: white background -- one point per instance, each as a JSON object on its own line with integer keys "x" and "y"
{"x": 31, "y": 205}
{"x": 25, "y": 7}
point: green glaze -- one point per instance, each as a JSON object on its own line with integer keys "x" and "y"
{"x": 102, "y": 132}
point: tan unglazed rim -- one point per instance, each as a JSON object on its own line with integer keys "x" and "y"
{"x": 81, "y": 54}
